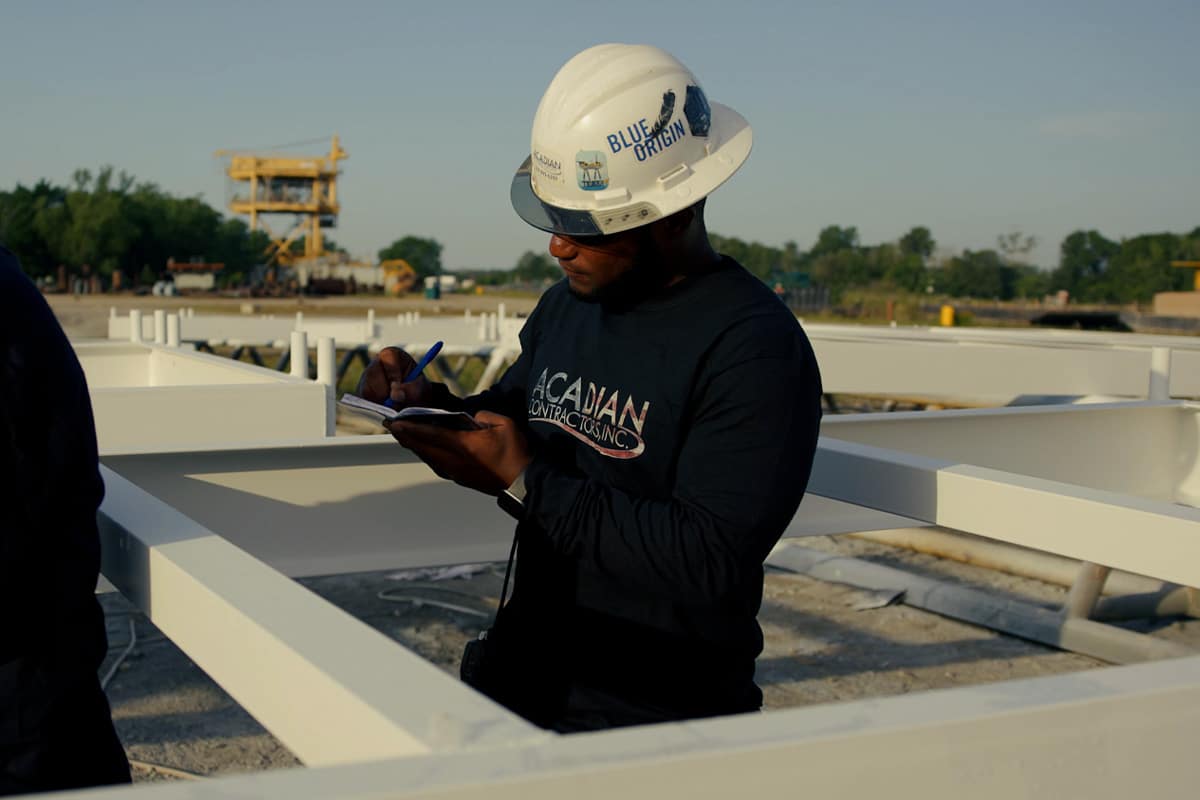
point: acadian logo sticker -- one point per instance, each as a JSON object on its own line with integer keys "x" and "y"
{"x": 607, "y": 420}
{"x": 547, "y": 167}
{"x": 591, "y": 170}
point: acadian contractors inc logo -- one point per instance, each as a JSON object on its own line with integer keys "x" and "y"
{"x": 608, "y": 421}
{"x": 547, "y": 166}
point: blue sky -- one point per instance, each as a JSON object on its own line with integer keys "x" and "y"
{"x": 972, "y": 118}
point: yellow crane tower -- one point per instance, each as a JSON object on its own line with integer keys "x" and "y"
{"x": 305, "y": 187}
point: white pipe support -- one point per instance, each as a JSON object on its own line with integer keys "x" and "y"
{"x": 327, "y": 375}
{"x": 160, "y": 326}
{"x": 298, "y": 354}
{"x": 493, "y": 371}
{"x": 1085, "y": 591}
{"x": 173, "y": 332}
{"x": 1160, "y": 373}
{"x": 135, "y": 326}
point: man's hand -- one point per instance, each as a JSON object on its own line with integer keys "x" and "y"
{"x": 486, "y": 460}
{"x": 384, "y": 378}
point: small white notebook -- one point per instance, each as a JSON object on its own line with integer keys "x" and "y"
{"x": 458, "y": 420}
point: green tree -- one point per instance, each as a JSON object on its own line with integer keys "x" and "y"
{"x": 1141, "y": 267}
{"x": 106, "y": 220}
{"x": 1015, "y": 245}
{"x": 978, "y": 273}
{"x": 19, "y": 229}
{"x": 535, "y": 268}
{"x": 834, "y": 239}
{"x": 423, "y": 255}
{"x": 1083, "y": 259}
{"x": 918, "y": 242}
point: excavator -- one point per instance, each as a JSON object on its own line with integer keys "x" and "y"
{"x": 398, "y": 276}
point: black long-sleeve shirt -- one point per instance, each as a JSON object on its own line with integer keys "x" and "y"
{"x": 55, "y": 728}
{"x": 673, "y": 442}
{"x": 51, "y": 486}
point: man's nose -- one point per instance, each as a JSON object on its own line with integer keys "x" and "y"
{"x": 562, "y": 247}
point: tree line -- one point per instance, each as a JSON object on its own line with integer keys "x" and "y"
{"x": 1090, "y": 267}
{"x": 107, "y": 220}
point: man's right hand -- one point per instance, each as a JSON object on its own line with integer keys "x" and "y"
{"x": 384, "y": 378}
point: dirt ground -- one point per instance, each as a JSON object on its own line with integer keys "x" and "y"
{"x": 818, "y": 649}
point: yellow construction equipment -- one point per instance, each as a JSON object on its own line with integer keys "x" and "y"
{"x": 398, "y": 276}
{"x": 1193, "y": 265}
{"x": 305, "y": 187}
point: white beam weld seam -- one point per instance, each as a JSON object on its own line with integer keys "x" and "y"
{"x": 1139, "y": 535}
{"x": 331, "y": 688}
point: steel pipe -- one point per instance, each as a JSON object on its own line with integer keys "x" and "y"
{"x": 1003, "y": 557}
{"x": 1014, "y": 617}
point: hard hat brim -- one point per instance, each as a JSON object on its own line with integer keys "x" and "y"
{"x": 542, "y": 215}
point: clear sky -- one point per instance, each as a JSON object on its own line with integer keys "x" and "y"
{"x": 972, "y": 118}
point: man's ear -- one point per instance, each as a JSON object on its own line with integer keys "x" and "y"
{"x": 675, "y": 225}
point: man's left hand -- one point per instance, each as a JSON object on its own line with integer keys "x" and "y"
{"x": 486, "y": 460}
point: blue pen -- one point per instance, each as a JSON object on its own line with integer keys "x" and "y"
{"x": 419, "y": 367}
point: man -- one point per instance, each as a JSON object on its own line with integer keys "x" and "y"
{"x": 55, "y": 727}
{"x": 657, "y": 432}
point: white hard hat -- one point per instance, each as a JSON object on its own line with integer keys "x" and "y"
{"x": 623, "y": 136}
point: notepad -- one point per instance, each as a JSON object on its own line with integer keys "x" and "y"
{"x": 456, "y": 420}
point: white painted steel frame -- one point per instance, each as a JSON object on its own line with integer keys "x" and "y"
{"x": 146, "y": 396}
{"x": 365, "y": 503}
{"x": 1103, "y": 733}
{"x": 985, "y": 366}
{"x": 997, "y": 364}
{"x": 1113, "y": 733}
{"x": 328, "y": 686}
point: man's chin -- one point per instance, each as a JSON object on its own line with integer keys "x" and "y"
{"x": 586, "y": 294}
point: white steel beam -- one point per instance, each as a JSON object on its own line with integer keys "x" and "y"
{"x": 1148, "y": 537}
{"x": 329, "y": 687}
{"x": 167, "y": 398}
{"x": 985, "y": 372}
{"x": 1112, "y": 733}
{"x": 365, "y": 503}
{"x": 1142, "y": 449}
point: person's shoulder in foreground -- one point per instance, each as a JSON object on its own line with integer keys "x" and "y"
{"x": 55, "y": 728}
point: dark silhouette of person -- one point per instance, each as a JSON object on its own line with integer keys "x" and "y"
{"x": 56, "y": 730}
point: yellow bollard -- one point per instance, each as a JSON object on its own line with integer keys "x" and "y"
{"x": 947, "y": 318}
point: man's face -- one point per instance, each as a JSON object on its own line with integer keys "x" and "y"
{"x": 600, "y": 268}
